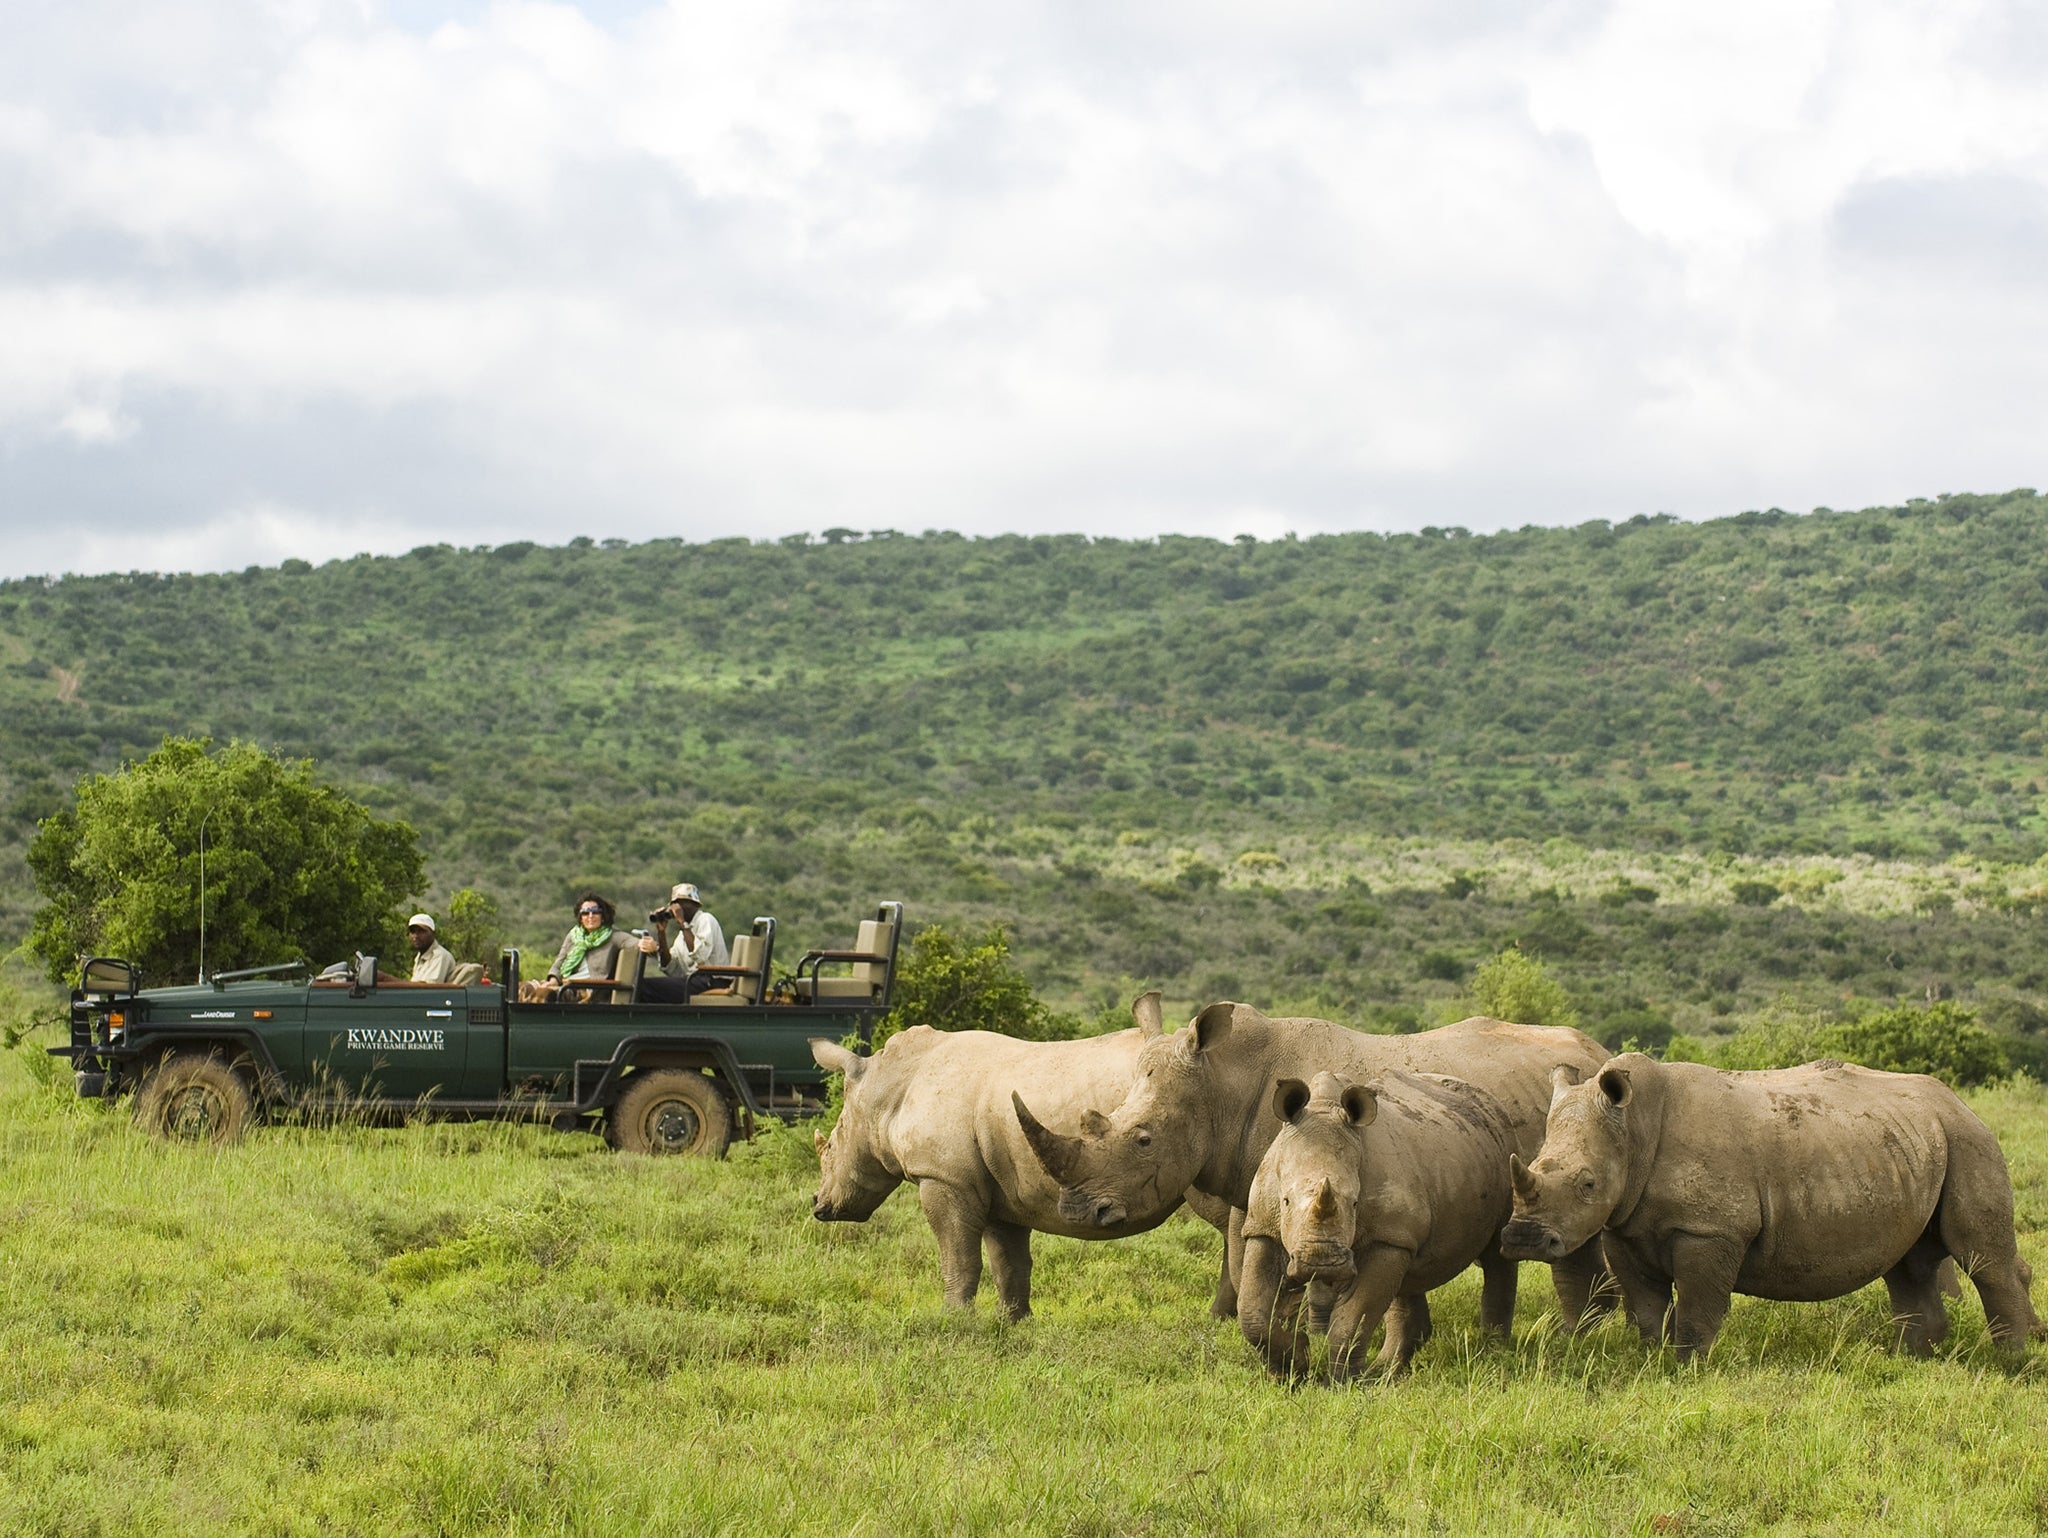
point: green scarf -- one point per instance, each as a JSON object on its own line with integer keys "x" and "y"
{"x": 584, "y": 942}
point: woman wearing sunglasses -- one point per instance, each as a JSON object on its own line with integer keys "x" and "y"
{"x": 591, "y": 948}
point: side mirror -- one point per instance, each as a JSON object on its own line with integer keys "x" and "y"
{"x": 366, "y": 974}
{"x": 103, "y": 974}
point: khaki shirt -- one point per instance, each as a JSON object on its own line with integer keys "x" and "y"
{"x": 435, "y": 964}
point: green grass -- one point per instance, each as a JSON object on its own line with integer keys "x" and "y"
{"x": 496, "y": 1329}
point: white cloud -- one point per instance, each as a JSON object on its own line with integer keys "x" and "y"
{"x": 277, "y": 276}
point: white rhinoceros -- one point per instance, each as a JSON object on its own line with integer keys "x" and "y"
{"x": 933, "y": 1108}
{"x": 1792, "y": 1183}
{"x": 1198, "y": 1114}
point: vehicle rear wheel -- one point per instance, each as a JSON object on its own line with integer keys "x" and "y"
{"x": 671, "y": 1111}
{"x": 192, "y": 1097}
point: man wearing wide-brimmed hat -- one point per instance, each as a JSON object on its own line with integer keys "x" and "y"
{"x": 699, "y": 943}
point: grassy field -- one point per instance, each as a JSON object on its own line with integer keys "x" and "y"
{"x": 449, "y": 1329}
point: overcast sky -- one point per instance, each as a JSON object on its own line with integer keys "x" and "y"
{"x": 307, "y": 277}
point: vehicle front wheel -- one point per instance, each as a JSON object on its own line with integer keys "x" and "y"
{"x": 194, "y": 1098}
{"x": 671, "y": 1111}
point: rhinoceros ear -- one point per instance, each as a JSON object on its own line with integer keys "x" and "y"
{"x": 834, "y": 1058}
{"x": 1614, "y": 1084}
{"x": 1147, "y": 1012}
{"x": 1211, "y": 1026}
{"x": 1562, "y": 1078}
{"x": 1361, "y": 1104}
{"x": 1290, "y": 1099}
{"x": 818, "y": 1141}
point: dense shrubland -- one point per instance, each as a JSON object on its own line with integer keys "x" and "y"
{"x": 1700, "y": 770}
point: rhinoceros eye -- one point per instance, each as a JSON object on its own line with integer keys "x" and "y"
{"x": 1585, "y": 1185}
{"x": 1144, "y": 1138}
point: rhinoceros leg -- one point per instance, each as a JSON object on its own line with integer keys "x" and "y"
{"x": 957, "y": 1222}
{"x": 1009, "y": 1259}
{"x": 1382, "y": 1270}
{"x": 1976, "y": 1226}
{"x": 1269, "y": 1311}
{"x": 1409, "y": 1326}
{"x": 1915, "y": 1288}
{"x": 1224, "y": 1304}
{"x": 1646, "y": 1294}
{"x": 1585, "y": 1290}
{"x": 1703, "y": 1272}
{"x": 1496, "y": 1293}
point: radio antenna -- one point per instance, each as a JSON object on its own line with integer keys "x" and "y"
{"x": 202, "y": 892}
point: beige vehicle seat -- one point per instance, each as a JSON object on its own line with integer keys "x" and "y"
{"x": 869, "y": 959}
{"x": 620, "y": 988}
{"x": 626, "y": 975}
{"x": 466, "y": 974}
{"x": 745, "y": 980}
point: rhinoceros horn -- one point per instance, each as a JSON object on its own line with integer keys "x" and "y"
{"x": 1145, "y": 1009}
{"x": 1055, "y": 1152}
{"x": 1518, "y": 1172}
{"x": 1324, "y": 1207}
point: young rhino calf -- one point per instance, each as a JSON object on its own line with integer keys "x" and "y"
{"x": 1793, "y": 1183}
{"x": 1371, "y": 1195}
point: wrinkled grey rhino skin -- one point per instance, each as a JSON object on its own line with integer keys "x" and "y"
{"x": 1371, "y": 1195}
{"x": 1794, "y": 1183}
{"x": 1198, "y": 1113}
{"x": 933, "y": 1108}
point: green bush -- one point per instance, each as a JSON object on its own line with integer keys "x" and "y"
{"x": 1942, "y": 1039}
{"x": 1441, "y": 966}
{"x": 1514, "y": 986}
{"x": 1780, "y": 1038}
{"x": 956, "y": 982}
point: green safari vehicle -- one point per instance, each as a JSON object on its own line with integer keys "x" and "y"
{"x": 206, "y": 1060}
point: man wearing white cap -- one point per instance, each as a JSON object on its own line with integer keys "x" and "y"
{"x": 699, "y": 943}
{"x": 433, "y": 961}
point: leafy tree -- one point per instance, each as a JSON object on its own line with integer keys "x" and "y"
{"x": 293, "y": 868}
{"x": 1514, "y": 986}
{"x": 956, "y": 982}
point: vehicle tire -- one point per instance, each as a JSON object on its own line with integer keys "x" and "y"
{"x": 193, "y": 1097}
{"x": 671, "y": 1111}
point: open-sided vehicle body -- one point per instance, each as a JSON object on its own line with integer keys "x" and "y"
{"x": 665, "y": 1077}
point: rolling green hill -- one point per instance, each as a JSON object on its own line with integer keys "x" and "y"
{"x": 1331, "y": 771}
